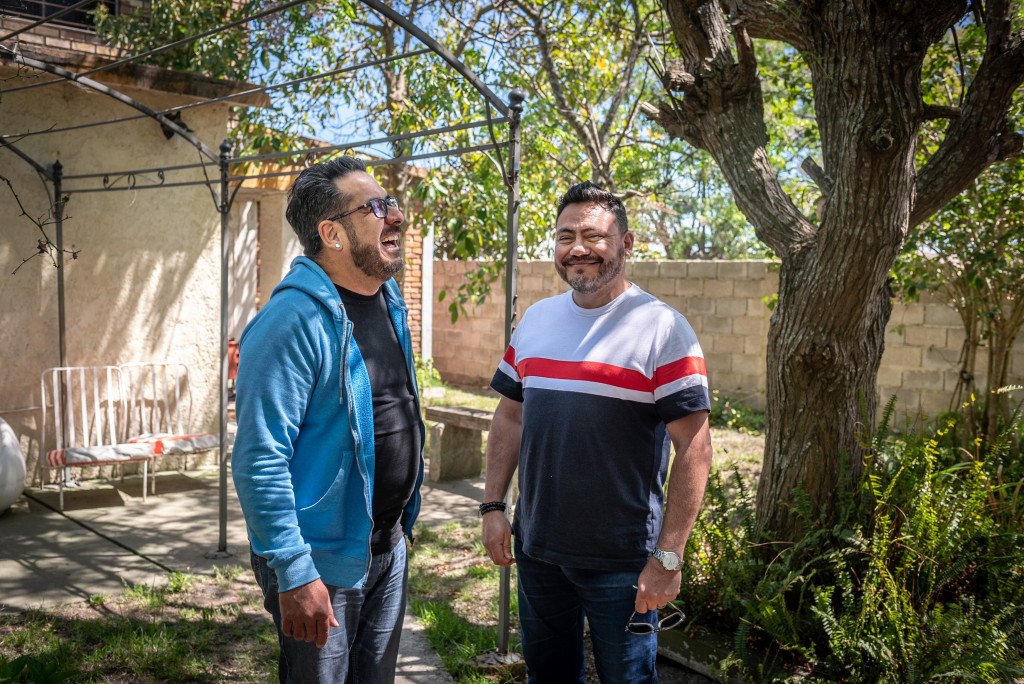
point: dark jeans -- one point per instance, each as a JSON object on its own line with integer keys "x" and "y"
{"x": 552, "y": 602}
{"x": 364, "y": 649}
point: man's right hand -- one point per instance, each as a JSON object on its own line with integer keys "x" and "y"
{"x": 497, "y": 538}
{"x": 307, "y": 614}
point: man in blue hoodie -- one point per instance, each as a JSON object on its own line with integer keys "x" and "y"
{"x": 328, "y": 460}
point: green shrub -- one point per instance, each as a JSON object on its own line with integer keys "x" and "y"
{"x": 726, "y": 413}
{"x": 426, "y": 374}
{"x": 920, "y": 578}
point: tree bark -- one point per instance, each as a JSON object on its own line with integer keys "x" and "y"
{"x": 827, "y": 332}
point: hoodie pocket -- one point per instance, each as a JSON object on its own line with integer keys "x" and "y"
{"x": 337, "y": 513}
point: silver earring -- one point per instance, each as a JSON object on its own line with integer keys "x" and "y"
{"x": 337, "y": 245}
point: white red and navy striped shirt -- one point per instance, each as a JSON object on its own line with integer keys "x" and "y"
{"x": 598, "y": 387}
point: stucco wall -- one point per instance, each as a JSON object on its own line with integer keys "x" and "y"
{"x": 726, "y": 303}
{"x": 146, "y": 283}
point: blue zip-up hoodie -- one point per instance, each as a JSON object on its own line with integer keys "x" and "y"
{"x": 303, "y": 458}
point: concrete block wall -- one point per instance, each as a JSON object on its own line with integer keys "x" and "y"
{"x": 726, "y": 302}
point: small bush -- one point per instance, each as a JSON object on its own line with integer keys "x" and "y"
{"x": 427, "y": 375}
{"x": 726, "y": 413}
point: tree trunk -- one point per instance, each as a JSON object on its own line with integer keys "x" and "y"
{"x": 963, "y": 395}
{"x": 1003, "y": 331}
{"x": 821, "y": 396}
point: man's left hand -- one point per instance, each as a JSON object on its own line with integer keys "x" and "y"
{"x": 656, "y": 586}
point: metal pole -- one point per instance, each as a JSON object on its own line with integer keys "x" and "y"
{"x": 515, "y": 99}
{"x": 58, "y": 217}
{"x": 60, "y": 402}
{"x": 225, "y": 265}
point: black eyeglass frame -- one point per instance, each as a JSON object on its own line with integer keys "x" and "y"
{"x": 379, "y": 205}
{"x": 641, "y": 628}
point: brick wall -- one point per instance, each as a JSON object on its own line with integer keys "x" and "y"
{"x": 412, "y": 283}
{"x": 725, "y": 302}
{"x": 67, "y": 40}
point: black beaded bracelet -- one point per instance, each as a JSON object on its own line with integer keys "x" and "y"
{"x": 489, "y": 506}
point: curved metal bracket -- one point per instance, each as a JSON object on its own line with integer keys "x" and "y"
{"x": 120, "y": 97}
{"x": 32, "y": 162}
{"x": 131, "y": 180}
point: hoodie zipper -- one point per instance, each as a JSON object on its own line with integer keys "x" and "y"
{"x": 343, "y": 381}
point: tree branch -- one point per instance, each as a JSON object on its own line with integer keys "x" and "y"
{"x": 817, "y": 174}
{"x": 635, "y": 48}
{"x": 630, "y": 119}
{"x": 722, "y": 111}
{"x": 774, "y": 20}
{"x": 981, "y": 135}
{"x": 933, "y": 112}
{"x": 548, "y": 66}
{"x": 470, "y": 28}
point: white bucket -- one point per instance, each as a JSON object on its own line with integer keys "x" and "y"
{"x": 12, "y": 467}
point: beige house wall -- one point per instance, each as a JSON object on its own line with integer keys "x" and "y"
{"x": 726, "y": 302}
{"x": 146, "y": 283}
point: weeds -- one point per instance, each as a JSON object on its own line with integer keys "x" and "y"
{"x": 178, "y": 582}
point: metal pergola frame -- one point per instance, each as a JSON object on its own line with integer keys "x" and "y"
{"x": 223, "y": 195}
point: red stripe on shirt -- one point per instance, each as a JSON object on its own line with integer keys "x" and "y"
{"x": 586, "y": 371}
{"x": 670, "y": 372}
{"x": 510, "y": 356}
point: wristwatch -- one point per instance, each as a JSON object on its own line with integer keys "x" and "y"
{"x": 668, "y": 559}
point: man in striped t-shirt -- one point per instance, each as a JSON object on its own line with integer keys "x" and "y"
{"x": 596, "y": 384}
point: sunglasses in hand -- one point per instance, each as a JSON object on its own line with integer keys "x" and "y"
{"x": 673, "y": 619}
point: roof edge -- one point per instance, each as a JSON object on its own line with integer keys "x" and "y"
{"x": 147, "y": 76}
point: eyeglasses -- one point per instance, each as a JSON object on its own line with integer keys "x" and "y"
{"x": 674, "y": 619}
{"x": 379, "y": 206}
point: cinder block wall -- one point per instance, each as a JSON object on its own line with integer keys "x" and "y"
{"x": 726, "y": 302}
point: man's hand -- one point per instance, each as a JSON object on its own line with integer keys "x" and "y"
{"x": 497, "y": 538}
{"x": 656, "y": 586}
{"x": 306, "y": 613}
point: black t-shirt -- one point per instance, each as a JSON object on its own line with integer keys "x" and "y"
{"x": 396, "y": 435}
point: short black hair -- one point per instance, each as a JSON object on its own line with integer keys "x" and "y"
{"x": 590, "y": 193}
{"x": 314, "y": 196}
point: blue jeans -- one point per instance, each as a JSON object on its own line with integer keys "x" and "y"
{"x": 552, "y": 602}
{"x": 364, "y": 649}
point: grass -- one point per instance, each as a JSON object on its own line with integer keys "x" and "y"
{"x": 471, "y": 397}
{"x": 454, "y": 591}
{"x": 194, "y": 628}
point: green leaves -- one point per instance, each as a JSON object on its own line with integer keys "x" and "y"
{"x": 918, "y": 580}
{"x": 29, "y": 668}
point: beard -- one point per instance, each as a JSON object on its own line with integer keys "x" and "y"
{"x": 607, "y": 271}
{"x": 368, "y": 258}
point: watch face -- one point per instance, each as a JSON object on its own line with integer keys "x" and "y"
{"x": 669, "y": 559}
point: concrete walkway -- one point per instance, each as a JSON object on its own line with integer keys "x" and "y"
{"x": 107, "y": 536}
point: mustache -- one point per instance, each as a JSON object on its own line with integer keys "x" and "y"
{"x": 570, "y": 261}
